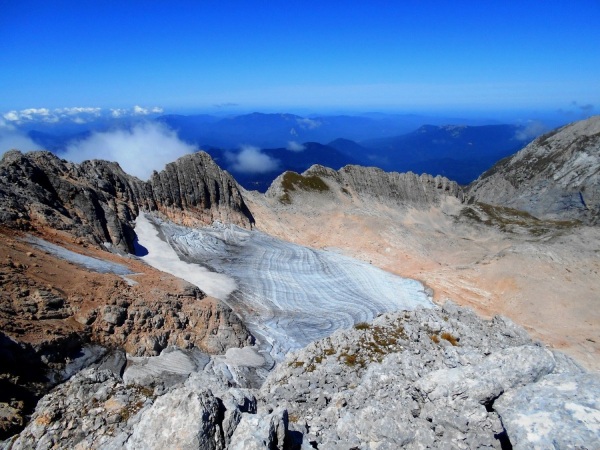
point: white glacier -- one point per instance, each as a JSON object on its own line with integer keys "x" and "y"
{"x": 288, "y": 295}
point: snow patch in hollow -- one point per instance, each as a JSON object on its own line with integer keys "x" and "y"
{"x": 161, "y": 256}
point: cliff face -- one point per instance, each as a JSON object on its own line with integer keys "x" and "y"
{"x": 98, "y": 200}
{"x": 194, "y": 190}
{"x": 554, "y": 177}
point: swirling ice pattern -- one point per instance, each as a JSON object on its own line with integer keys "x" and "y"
{"x": 292, "y": 295}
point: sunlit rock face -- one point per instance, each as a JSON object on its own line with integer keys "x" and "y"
{"x": 288, "y": 295}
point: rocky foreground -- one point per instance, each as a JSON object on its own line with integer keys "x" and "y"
{"x": 430, "y": 378}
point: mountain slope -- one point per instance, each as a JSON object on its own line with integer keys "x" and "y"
{"x": 364, "y": 184}
{"x": 557, "y": 176}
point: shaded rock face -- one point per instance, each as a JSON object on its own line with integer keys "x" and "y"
{"x": 96, "y": 409}
{"x": 194, "y": 190}
{"x": 368, "y": 183}
{"x": 554, "y": 177}
{"x": 84, "y": 411}
{"x": 97, "y": 200}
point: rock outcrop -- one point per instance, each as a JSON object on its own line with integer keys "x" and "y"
{"x": 368, "y": 184}
{"x": 51, "y": 308}
{"x": 554, "y": 177}
{"x": 561, "y": 411}
{"x": 430, "y": 378}
{"x": 97, "y": 200}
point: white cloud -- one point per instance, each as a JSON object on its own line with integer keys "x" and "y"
{"x": 77, "y": 114}
{"x": 139, "y": 111}
{"x": 12, "y": 116}
{"x": 139, "y": 151}
{"x": 29, "y": 113}
{"x": 251, "y": 160}
{"x": 533, "y": 129}
{"x": 308, "y": 124}
{"x": 78, "y": 110}
{"x": 294, "y": 146}
{"x": 11, "y": 138}
{"x": 118, "y": 112}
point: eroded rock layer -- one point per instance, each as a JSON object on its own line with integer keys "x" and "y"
{"x": 52, "y": 306}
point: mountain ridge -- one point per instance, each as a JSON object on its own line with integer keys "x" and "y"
{"x": 97, "y": 199}
{"x": 557, "y": 176}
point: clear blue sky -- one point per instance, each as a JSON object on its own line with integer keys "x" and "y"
{"x": 314, "y": 54}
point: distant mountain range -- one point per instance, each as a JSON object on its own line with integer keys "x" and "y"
{"x": 457, "y": 152}
{"x": 392, "y": 142}
{"x": 275, "y": 130}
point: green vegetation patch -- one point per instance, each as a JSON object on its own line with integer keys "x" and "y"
{"x": 376, "y": 343}
{"x": 294, "y": 181}
{"x": 296, "y": 364}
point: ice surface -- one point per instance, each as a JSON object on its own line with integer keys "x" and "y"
{"x": 95, "y": 264}
{"x": 160, "y": 254}
{"x": 287, "y": 294}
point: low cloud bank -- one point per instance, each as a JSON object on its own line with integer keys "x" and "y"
{"x": 308, "y": 124}
{"x": 13, "y": 139}
{"x": 77, "y": 114}
{"x": 140, "y": 150}
{"x": 251, "y": 160}
{"x": 294, "y": 146}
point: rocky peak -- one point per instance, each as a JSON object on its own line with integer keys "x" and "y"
{"x": 398, "y": 189}
{"x": 98, "y": 200}
{"x": 194, "y": 189}
{"x": 554, "y": 177}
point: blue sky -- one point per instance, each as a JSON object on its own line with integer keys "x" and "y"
{"x": 281, "y": 55}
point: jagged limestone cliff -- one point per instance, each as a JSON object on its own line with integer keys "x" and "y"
{"x": 98, "y": 200}
{"x": 557, "y": 176}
